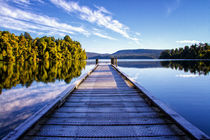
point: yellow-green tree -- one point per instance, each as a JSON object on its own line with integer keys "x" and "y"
{"x": 24, "y": 47}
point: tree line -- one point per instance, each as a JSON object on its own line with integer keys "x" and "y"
{"x": 25, "y": 72}
{"x": 200, "y": 51}
{"x": 24, "y": 47}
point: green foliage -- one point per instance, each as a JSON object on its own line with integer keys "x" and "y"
{"x": 201, "y": 51}
{"x": 24, "y": 47}
{"x": 27, "y": 36}
{"x": 26, "y": 72}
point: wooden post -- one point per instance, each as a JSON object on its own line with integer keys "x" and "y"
{"x": 115, "y": 62}
{"x": 112, "y": 61}
{"x": 96, "y": 61}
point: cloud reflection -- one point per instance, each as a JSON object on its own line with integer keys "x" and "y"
{"x": 187, "y": 75}
{"x": 25, "y": 101}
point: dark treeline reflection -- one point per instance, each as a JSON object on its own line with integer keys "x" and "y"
{"x": 26, "y": 72}
{"x": 196, "y": 67}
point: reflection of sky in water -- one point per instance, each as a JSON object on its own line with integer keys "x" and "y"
{"x": 18, "y": 103}
{"x": 186, "y": 93}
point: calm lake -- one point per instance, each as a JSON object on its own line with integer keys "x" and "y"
{"x": 26, "y": 87}
{"x": 182, "y": 85}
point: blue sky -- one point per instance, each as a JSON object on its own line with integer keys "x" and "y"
{"x": 106, "y": 26}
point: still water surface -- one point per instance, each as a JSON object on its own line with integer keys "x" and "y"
{"x": 26, "y": 87}
{"x": 182, "y": 85}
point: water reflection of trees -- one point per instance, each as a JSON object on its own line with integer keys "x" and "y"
{"x": 26, "y": 72}
{"x": 196, "y": 67}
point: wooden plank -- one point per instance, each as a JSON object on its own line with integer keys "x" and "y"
{"x": 104, "y": 99}
{"x": 109, "y": 131}
{"x": 122, "y": 115}
{"x": 116, "y": 102}
{"x": 27, "y": 124}
{"x": 189, "y": 128}
{"x": 100, "y": 88}
{"x": 105, "y": 121}
{"x": 105, "y": 109}
{"x": 110, "y": 138}
{"x": 88, "y": 83}
{"x": 111, "y": 86}
{"x": 105, "y": 104}
{"x": 133, "y": 98}
{"x": 106, "y": 79}
{"x": 103, "y": 95}
{"x": 91, "y": 80}
{"x": 100, "y": 80}
{"x": 105, "y": 92}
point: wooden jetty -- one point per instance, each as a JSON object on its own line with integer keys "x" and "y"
{"x": 106, "y": 104}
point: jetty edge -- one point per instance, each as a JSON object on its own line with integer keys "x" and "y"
{"x": 185, "y": 125}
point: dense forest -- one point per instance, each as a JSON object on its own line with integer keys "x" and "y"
{"x": 24, "y": 47}
{"x": 25, "y": 72}
{"x": 195, "y": 67}
{"x": 201, "y": 51}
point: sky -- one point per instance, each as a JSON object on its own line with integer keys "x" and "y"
{"x": 105, "y": 26}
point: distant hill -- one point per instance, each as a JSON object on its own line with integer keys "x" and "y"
{"x": 127, "y": 54}
{"x": 92, "y": 55}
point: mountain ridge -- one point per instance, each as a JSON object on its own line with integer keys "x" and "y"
{"x": 127, "y": 54}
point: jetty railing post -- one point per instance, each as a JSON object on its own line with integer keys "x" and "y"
{"x": 96, "y": 61}
{"x": 114, "y": 61}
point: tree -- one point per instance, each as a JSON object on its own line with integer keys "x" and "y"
{"x": 67, "y": 38}
{"x": 24, "y": 47}
{"x": 27, "y": 36}
{"x": 165, "y": 54}
{"x": 201, "y": 51}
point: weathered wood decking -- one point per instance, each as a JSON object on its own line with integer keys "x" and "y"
{"x": 106, "y": 105}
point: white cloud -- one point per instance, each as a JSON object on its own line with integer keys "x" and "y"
{"x": 103, "y": 10}
{"x": 22, "y": 20}
{"x": 22, "y": 2}
{"x": 17, "y": 25}
{"x": 138, "y": 34}
{"x": 104, "y": 36}
{"x": 17, "y": 19}
{"x": 37, "y": 95}
{"x": 41, "y": 1}
{"x": 172, "y": 6}
{"x": 101, "y": 17}
{"x": 25, "y": 2}
{"x": 187, "y": 75}
{"x": 188, "y": 42}
{"x": 136, "y": 76}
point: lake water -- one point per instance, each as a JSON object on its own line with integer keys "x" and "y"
{"x": 26, "y": 87}
{"x": 182, "y": 85}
